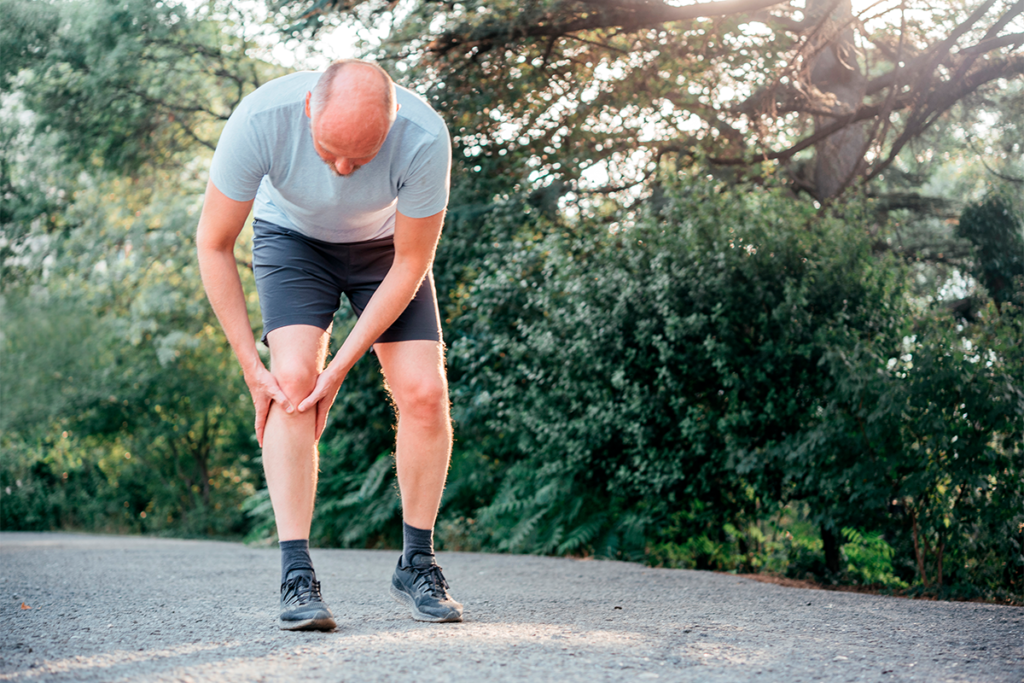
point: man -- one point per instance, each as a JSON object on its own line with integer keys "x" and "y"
{"x": 348, "y": 177}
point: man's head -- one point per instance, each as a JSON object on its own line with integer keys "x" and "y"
{"x": 351, "y": 110}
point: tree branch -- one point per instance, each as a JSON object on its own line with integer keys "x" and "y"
{"x": 625, "y": 15}
{"x": 940, "y": 101}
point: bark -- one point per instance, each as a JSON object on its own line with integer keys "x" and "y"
{"x": 201, "y": 456}
{"x": 625, "y": 15}
{"x": 830, "y": 543}
{"x": 836, "y": 73}
{"x": 918, "y": 555}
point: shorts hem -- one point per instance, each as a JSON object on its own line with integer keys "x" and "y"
{"x": 408, "y": 336}
{"x": 270, "y": 326}
{"x": 388, "y": 337}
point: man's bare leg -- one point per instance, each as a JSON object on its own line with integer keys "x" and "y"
{"x": 416, "y": 378}
{"x": 415, "y": 375}
{"x": 297, "y": 355}
{"x": 290, "y": 462}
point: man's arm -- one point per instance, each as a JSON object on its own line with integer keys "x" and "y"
{"x": 219, "y": 225}
{"x": 415, "y": 244}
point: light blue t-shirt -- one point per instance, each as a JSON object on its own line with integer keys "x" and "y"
{"x": 266, "y": 152}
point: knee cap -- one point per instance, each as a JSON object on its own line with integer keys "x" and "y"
{"x": 425, "y": 399}
{"x": 296, "y": 381}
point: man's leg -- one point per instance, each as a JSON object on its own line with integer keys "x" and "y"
{"x": 416, "y": 378}
{"x": 415, "y": 374}
{"x": 289, "y": 449}
{"x": 297, "y": 355}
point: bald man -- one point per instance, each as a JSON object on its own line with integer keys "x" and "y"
{"x": 347, "y": 179}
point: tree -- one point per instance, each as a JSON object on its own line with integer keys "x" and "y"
{"x": 119, "y": 388}
{"x": 129, "y": 83}
{"x": 620, "y": 84}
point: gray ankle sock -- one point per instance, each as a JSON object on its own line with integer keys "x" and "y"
{"x": 294, "y": 555}
{"x": 417, "y": 542}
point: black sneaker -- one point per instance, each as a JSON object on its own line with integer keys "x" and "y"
{"x": 422, "y": 587}
{"x": 302, "y": 606}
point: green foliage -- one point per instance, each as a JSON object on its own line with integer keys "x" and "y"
{"x": 148, "y": 390}
{"x": 123, "y": 408}
{"x": 656, "y": 364}
{"x": 45, "y": 486}
{"x": 924, "y": 440}
{"x": 572, "y": 96}
{"x": 997, "y": 233}
{"x": 786, "y": 545}
{"x": 127, "y": 83}
{"x": 869, "y": 559}
{"x": 669, "y": 390}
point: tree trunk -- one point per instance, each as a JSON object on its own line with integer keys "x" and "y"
{"x": 836, "y": 73}
{"x": 919, "y": 555}
{"x": 831, "y": 546}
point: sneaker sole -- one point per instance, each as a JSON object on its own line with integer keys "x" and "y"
{"x": 307, "y": 625}
{"x": 406, "y": 600}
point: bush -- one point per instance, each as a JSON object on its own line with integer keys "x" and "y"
{"x": 624, "y": 375}
{"x": 123, "y": 408}
{"x": 923, "y": 442}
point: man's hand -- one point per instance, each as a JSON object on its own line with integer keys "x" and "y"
{"x": 265, "y": 390}
{"x": 219, "y": 225}
{"x": 326, "y": 390}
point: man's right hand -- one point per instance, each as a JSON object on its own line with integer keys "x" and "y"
{"x": 265, "y": 390}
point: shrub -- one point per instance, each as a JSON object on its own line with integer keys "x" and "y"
{"x": 623, "y": 376}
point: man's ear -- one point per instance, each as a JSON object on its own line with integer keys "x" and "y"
{"x": 308, "y": 95}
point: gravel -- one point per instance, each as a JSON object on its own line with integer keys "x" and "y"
{"x": 115, "y": 608}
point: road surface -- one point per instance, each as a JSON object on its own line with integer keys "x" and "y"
{"x": 109, "y": 608}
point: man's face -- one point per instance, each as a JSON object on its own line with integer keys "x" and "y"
{"x": 343, "y": 157}
{"x": 349, "y": 140}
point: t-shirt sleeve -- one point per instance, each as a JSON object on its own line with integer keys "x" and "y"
{"x": 240, "y": 160}
{"x": 425, "y": 189}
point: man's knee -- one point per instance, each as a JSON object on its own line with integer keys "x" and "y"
{"x": 296, "y": 356}
{"x": 423, "y": 398}
{"x": 295, "y": 378}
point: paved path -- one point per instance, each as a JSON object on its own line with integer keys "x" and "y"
{"x": 107, "y": 608}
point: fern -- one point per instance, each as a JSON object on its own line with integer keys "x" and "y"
{"x": 582, "y": 534}
{"x": 522, "y": 530}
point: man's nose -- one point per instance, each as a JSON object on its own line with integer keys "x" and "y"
{"x": 344, "y": 166}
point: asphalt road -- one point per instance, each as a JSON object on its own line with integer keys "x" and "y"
{"x": 106, "y": 608}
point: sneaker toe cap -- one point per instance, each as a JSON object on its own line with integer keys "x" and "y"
{"x": 447, "y": 609}
{"x": 313, "y": 610}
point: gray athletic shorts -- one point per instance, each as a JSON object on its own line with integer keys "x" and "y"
{"x": 300, "y": 281}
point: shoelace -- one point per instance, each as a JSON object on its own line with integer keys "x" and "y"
{"x": 303, "y": 589}
{"x": 433, "y": 580}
